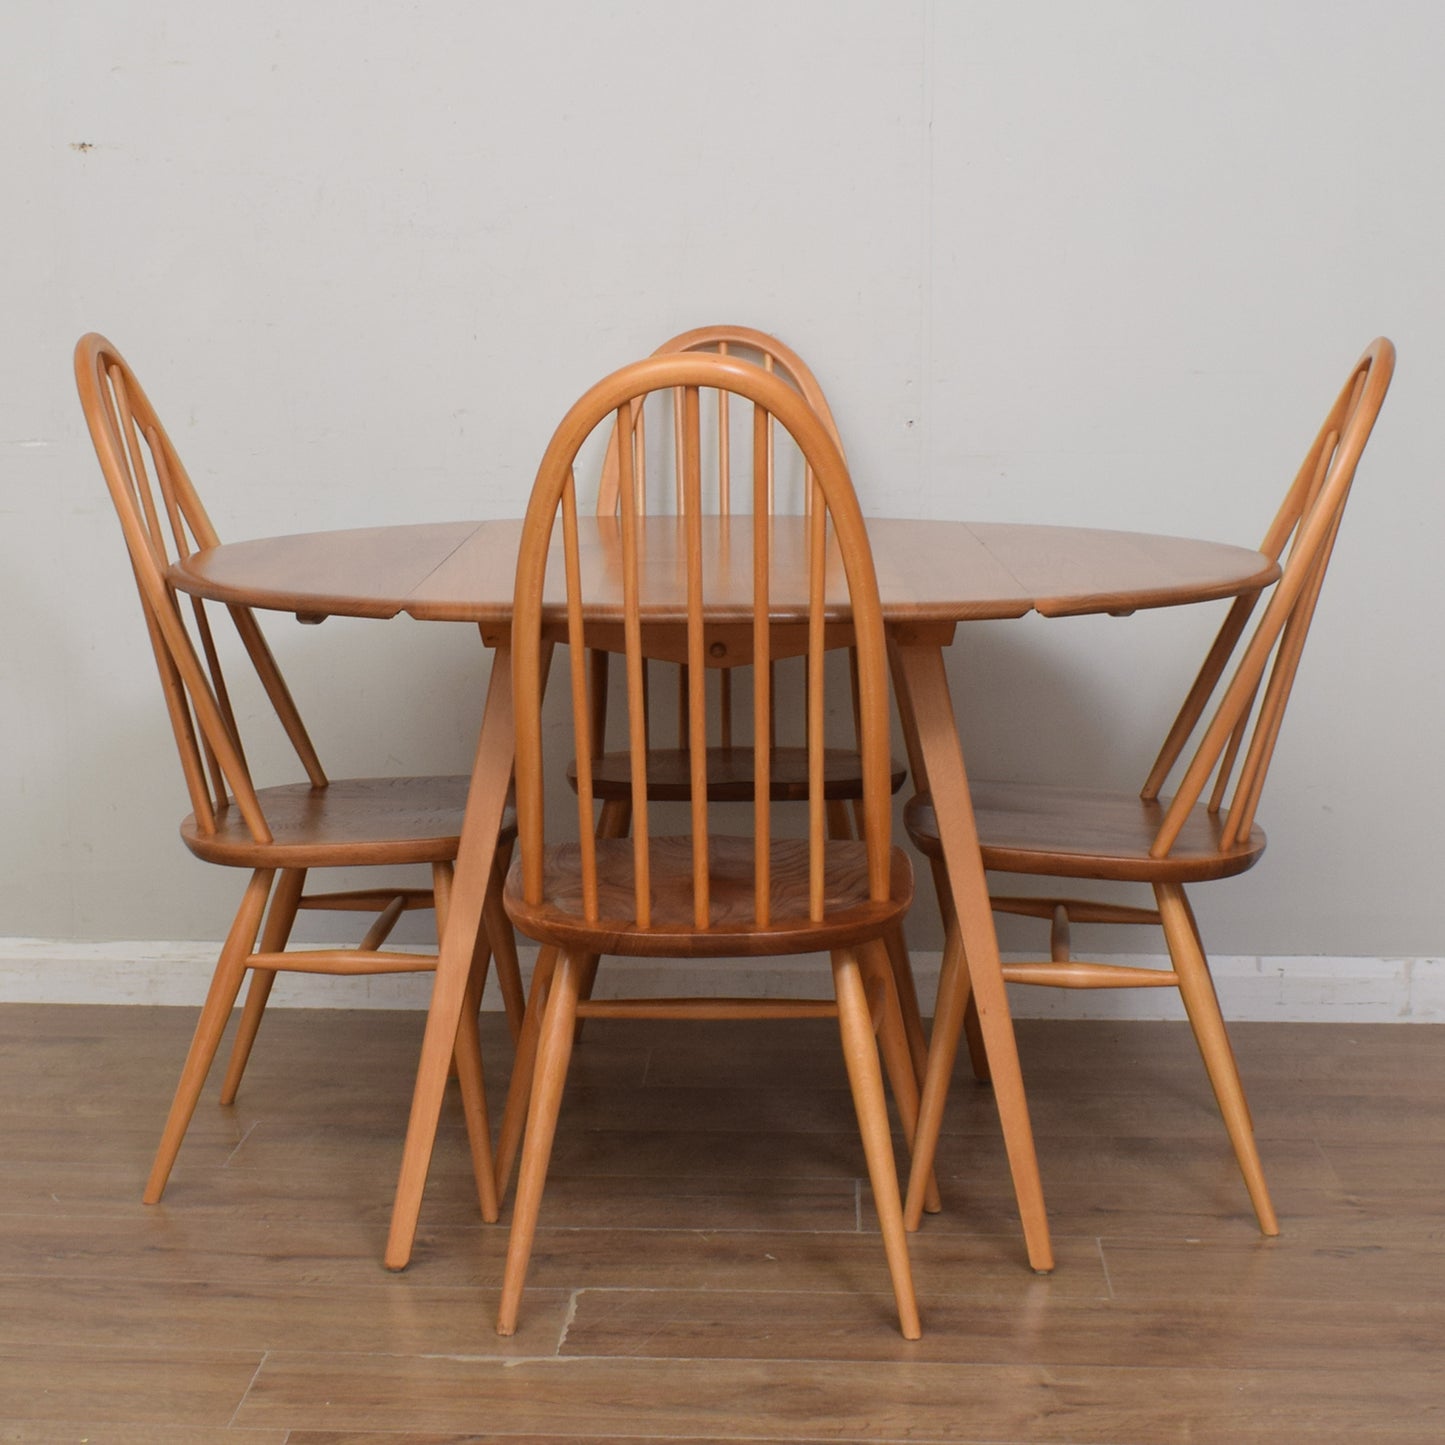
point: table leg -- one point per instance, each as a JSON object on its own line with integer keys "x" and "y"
{"x": 491, "y": 777}
{"x": 937, "y": 763}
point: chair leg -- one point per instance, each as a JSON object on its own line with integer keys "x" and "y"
{"x": 215, "y": 1012}
{"x": 468, "y": 1051}
{"x": 878, "y": 972}
{"x": 258, "y": 994}
{"x": 274, "y": 938}
{"x": 467, "y": 1054}
{"x": 614, "y": 822}
{"x": 1202, "y": 1005}
{"x": 840, "y": 820}
{"x": 973, "y": 1037}
{"x": 972, "y": 1030}
{"x": 953, "y": 994}
{"x": 587, "y": 966}
{"x": 504, "y": 946}
{"x": 554, "y": 1052}
{"x": 860, "y": 1054}
{"x": 615, "y": 818}
{"x": 481, "y": 945}
{"x": 519, "y": 1089}
{"x": 907, "y": 993}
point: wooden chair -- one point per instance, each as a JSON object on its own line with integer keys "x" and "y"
{"x": 1202, "y": 832}
{"x": 279, "y": 833}
{"x": 701, "y": 895}
{"x": 729, "y": 761}
{"x": 728, "y": 767}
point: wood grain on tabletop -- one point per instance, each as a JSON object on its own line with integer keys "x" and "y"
{"x": 360, "y": 572}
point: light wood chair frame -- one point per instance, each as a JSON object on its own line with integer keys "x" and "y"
{"x": 1223, "y": 777}
{"x": 163, "y": 519}
{"x": 843, "y": 786}
{"x": 768, "y": 920}
{"x": 776, "y": 359}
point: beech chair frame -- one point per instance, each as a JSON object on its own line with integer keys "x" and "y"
{"x": 279, "y": 833}
{"x": 728, "y": 771}
{"x": 668, "y": 769}
{"x": 1204, "y": 830}
{"x": 702, "y": 895}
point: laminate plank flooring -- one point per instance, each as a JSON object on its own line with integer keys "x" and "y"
{"x": 707, "y": 1267}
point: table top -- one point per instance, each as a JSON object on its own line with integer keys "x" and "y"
{"x": 928, "y": 571}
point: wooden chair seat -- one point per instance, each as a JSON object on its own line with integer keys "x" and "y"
{"x": 351, "y": 821}
{"x": 730, "y": 775}
{"x": 1065, "y": 832}
{"x": 560, "y": 918}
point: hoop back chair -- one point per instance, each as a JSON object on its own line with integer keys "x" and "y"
{"x": 1206, "y": 829}
{"x": 729, "y": 774}
{"x": 699, "y": 894}
{"x": 278, "y": 833}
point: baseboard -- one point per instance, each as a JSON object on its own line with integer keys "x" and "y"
{"x": 1285, "y": 989}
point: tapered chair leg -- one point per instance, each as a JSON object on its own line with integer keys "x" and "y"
{"x": 615, "y": 818}
{"x": 554, "y": 1052}
{"x": 215, "y": 1012}
{"x": 953, "y": 994}
{"x": 1196, "y": 986}
{"x": 860, "y": 1054}
{"x": 519, "y": 1089}
{"x": 504, "y": 946}
{"x": 274, "y": 937}
{"x": 973, "y": 1038}
{"x": 972, "y": 1031}
{"x": 613, "y": 822}
{"x": 258, "y": 994}
{"x": 467, "y": 1051}
{"x": 906, "y": 991}
{"x": 874, "y": 960}
{"x": 482, "y": 951}
{"x": 840, "y": 820}
{"x": 588, "y": 965}
{"x": 470, "y": 1078}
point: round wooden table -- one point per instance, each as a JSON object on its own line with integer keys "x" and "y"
{"x": 931, "y": 576}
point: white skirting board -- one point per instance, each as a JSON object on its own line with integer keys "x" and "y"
{"x": 1338, "y": 990}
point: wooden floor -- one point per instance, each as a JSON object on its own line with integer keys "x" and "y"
{"x": 708, "y": 1268}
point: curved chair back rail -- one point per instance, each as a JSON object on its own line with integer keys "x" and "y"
{"x": 279, "y": 832}
{"x": 728, "y": 706}
{"x": 1205, "y": 831}
{"x": 701, "y": 893}
{"x": 1307, "y": 523}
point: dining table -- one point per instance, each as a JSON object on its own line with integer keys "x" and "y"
{"x": 932, "y": 576}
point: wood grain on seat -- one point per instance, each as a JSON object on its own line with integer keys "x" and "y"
{"x": 1085, "y": 833}
{"x": 851, "y": 916}
{"x": 349, "y": 822}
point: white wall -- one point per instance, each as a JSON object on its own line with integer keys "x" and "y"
{"x": 1100, "y": 263}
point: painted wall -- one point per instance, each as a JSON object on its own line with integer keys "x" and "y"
{"x": 1101, "y": 263}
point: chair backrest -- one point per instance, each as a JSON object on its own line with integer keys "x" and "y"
{"x": 809, "y": 573}
{"x": 162, "y": 520}
{"x": 777, "y": 359}
{"x": 1239, "y": 732}
{"x": 747, "y": 344}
